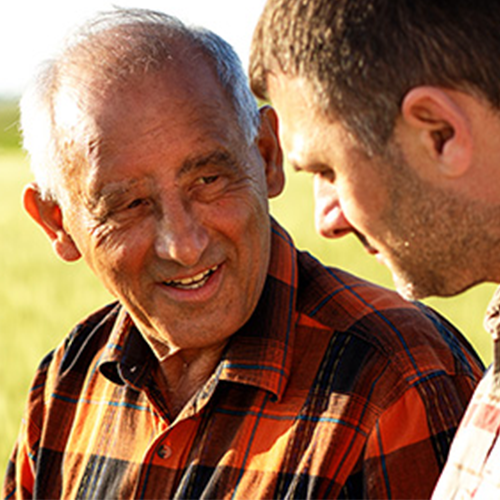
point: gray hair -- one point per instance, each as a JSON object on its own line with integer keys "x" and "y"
{"x": 117, "y": 45}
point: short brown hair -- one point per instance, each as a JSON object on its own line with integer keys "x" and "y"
{"x": 362, "y": 56}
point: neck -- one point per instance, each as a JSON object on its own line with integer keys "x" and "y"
{"x": 183, "y": 373}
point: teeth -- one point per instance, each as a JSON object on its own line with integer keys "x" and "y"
{"x": 193, "y": 282}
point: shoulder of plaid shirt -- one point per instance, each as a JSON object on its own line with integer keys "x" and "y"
{"x": 335, "y": 388}
{"x": 472, "y": 468}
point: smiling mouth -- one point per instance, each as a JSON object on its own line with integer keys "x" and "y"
{"x": 194, "y": 282}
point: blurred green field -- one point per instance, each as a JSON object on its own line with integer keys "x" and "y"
{"x": 42, "y": 298}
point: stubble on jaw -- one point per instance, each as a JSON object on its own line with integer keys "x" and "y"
{"x": 440, "y": 243}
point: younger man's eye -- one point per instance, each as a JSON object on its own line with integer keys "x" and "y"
{"x": 327, "y": 175}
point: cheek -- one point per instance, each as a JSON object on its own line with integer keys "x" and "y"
{"x": 238, "y": 215}
{"x": 116, "y": 255}
{"x": 255, "y": 245}
{"x": 245, "y": 224}
{"x": 363, "y": 202}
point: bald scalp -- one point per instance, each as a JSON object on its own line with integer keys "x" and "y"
{"x": 107, "y": 54}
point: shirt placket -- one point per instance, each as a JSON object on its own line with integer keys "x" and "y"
{"x": 167, "y": 452}
{"x": 170, "y": 449}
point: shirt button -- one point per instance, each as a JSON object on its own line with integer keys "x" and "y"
{"x": 164, "y": 451}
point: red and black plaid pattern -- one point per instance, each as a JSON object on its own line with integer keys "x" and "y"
{"x": 335, "y": 388}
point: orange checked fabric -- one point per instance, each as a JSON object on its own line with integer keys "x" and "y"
{"x": 335, "y": 388}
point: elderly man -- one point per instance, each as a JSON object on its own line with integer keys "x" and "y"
{"x": 231, "y": 365}
{"x": 394, "y": 107}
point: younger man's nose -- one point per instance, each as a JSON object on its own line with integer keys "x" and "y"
{"x": 330, "y": 219}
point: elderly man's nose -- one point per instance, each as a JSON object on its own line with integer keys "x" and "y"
{"x": 181, "y": 238}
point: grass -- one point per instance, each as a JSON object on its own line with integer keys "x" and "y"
{"x": 42, "y": 298}
{"x": 9, "y": 125}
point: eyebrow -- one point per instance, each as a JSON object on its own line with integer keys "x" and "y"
{"x": 218, "y": 157}
{"x": 312, "y": 168}
{"x": 116, "y": 189}
{"x": 111, "y": 192}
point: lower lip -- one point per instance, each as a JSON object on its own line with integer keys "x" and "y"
{"x": 201, "y": 294}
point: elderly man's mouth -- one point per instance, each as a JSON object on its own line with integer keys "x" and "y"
{"x": 192, "y": 282}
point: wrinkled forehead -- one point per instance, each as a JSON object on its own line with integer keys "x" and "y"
{"x": 181, "y": 103}
{"x": 87, "y": 102}
{"x": 164, "y": 119}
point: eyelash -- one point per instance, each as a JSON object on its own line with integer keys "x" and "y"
{"x": 136, "y": 203}
{"x": 204, "y": 181}
{"x": 328, "y": 175}
{"x": 209, "y": 179}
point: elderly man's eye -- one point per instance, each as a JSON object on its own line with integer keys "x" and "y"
{"x": 136, "y": 203}
{"x": 208, "y": 179}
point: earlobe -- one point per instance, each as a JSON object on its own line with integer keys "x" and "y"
{"x": 48, "y": 215}
{"x": 443, "y": 127}
{"x": 271, "y": 152}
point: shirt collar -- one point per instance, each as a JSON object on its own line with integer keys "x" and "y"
{"x": 259, "y": 354}
{"x": 127, "y": 357}
{"x": 492, "y": 325}
{"x": 492, "y": 318}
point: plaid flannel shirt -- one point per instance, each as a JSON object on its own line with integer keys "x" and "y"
{"x": 473, "y": 467}
{"x": 334, "y": 388}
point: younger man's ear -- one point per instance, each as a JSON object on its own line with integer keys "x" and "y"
{"x": 48, "y": 215}
{"x": 442, "y": 127}
{"x": 270, "y": 151}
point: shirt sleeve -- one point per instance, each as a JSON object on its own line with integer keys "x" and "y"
{"x": 20, "y": 475}
{"x": 19, "y": 479}
{"x": 421, "y": 423}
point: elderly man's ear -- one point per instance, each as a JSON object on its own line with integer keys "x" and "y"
{"x": 271, "y": 152}
{"x": 47, "y": 213}
{"x": 437, "y": 122}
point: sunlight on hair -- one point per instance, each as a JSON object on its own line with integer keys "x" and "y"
{"x": 66, "y": 110}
